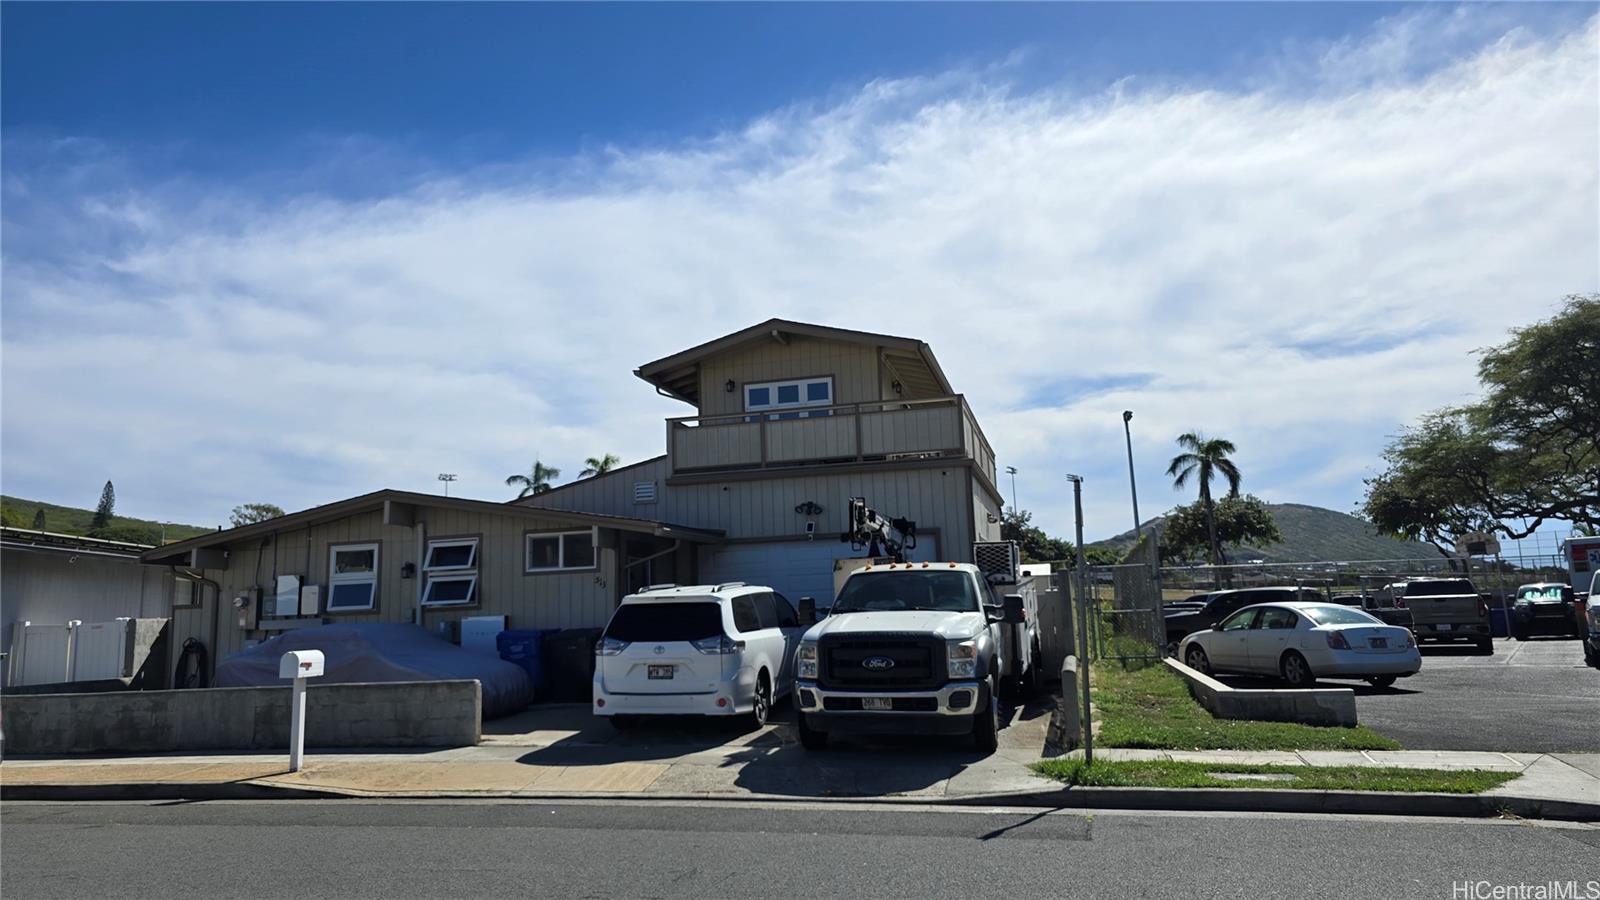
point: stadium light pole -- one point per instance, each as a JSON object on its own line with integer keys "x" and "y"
{"x": 447, "y": 477}
{"x": 1012, "y": 471}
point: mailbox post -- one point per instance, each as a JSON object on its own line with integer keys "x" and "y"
{"x": 299, "y": 665}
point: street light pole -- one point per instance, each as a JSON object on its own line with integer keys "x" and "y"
{"x": 1133, "y": 487}
{"x": 1157, "y": 629}
{"x": 1012, "y": 471}
{"x": 1083, "y": 620}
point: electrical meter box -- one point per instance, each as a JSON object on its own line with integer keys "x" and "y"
{"x": 301, "y": 664}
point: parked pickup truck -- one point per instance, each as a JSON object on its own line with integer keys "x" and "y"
{"x": 1389, "y": 615}
{"x": 1443, "y": 610}
{"x": 918, "y": 648}
{"x": 1219, "y": 605}
{"x": 1545, "y": 607}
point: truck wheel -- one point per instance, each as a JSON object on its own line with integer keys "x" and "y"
{"x": 1035, "y": 683}
{"x": 986, "y": 723}
{"x": 810, "y": 739}
{"x": 1590, "y": 655}
{"x": 1486, "y": 647}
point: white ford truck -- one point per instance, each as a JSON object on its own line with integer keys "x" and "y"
{"x": 917, "y": 648}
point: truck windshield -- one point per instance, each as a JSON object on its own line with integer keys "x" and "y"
{"x": 941, "y": 591}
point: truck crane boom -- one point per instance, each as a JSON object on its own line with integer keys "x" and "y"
{"x": 879, "y": 535}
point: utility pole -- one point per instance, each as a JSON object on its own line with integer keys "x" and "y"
{"x": 1012, "y": 471}
{"x": 1083, "y": 630}
{"x": 1158, "y": 635}
{"x": 447, "y": 477}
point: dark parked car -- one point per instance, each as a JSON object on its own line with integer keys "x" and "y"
{"x": 1395, "y": 613}
{"x": 1221, "y": 604}
{"x": 1545, "y": 607}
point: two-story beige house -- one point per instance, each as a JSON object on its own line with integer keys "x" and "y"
{"x": 790, "y": 421}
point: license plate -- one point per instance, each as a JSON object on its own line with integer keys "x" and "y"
{"x": 1378, "y": 643}
{"x": 877, "y": 703}
{"x": 1446, "y": 627}
{"x": 660, "y": 672}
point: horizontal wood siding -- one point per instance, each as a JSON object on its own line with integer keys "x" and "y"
{"x": 854, "y": 368}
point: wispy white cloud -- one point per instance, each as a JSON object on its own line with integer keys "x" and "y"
{"x": 1301, "y": 271}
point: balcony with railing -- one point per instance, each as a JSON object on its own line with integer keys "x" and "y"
{"x": 935, "y": 428}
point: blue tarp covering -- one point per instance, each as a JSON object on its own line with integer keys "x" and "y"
{"x": 382, "y": 652}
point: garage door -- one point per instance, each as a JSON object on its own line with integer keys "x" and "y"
{"x": 795, "y": 568}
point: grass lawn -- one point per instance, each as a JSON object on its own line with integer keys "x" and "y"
{"x": 1156, "y": 773}
{"x": 1151, "y": 708}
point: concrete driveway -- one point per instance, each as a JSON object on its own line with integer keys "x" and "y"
{"x": 1533, "y": 696}
{"x": 712, "y": 755}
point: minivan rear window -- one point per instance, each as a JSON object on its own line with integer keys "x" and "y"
{"x": 635, "y": 622}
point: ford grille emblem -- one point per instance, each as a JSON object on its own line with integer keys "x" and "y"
{"x": 877, "y": 662}
{"x": 660, "y": 649}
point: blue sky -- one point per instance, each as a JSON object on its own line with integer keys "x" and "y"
{"x": 392, "y": 240}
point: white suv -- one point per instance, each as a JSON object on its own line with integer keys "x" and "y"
{"x": 716, "y": 650}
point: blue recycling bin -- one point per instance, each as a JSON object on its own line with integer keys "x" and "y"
{"x": 522, "y": 647}
{"x": 1497, "y": 621}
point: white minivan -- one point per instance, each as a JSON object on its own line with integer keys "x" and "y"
{"x": 715, "y": 650}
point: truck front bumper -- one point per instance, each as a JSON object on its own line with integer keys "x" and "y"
{"x": 945, "y": 710}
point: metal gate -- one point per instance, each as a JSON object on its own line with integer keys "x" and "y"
{"x": 1126, "y": 623}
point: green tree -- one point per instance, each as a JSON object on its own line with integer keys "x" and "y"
{"x": 1526, "y": 454}
{"x": 599, "y": 465}
{"x": 1035, "y": 546}
{"x": 106, "y": 508}
{"x": 537, "y": 481}
{"x": 38, "y": 519}
{"x": 10, "y": 518}
{"x": 251, "y": 513}
{"x": 1239, "y": 521}
{"x": 1203, "y": 459}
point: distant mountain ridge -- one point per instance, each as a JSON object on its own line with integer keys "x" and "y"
{"x": 73, "y": 520}
{"x": 1310, "y": 534}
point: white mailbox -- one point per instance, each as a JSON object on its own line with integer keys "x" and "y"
{"x": 301, "y": 664}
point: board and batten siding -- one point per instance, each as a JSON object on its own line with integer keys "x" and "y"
{"x": 764, "y": 508}
{"x": 582, "y": 599}
{"x": 984, "y": 506}
{"x": 854, "y": 368}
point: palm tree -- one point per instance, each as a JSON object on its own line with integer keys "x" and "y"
{"x": 536, "y": 481}
{"x": 599, "y": 465}
{"x": 1204, "y": 458}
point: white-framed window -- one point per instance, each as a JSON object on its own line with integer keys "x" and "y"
{"x": 790, "y": 399}
{"x": 450, "y": 590}
{"x": 352, "y": 577}
{"x": 451, "y": 554}
{"x": 559, "y": 551}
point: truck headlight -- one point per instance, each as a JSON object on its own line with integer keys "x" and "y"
{"x": 962, "y": 657}
{"x": 806, "y": 657}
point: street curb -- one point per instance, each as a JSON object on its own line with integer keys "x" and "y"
{"x": 1469, "y": 806}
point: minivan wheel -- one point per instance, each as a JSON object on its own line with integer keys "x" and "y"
{"x": 1296, "y": 671}
{"x": 760, "y": 703}
{"x": 1381, "y": 681}
{"x": 810, "y": 739}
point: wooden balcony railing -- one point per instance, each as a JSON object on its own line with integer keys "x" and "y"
{"x": 850, "y": 432}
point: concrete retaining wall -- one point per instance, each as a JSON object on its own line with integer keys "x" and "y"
{"x": 1315, "y": 706}
{"x": 391, "y": 714}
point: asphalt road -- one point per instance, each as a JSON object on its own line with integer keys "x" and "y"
{"x": 1532, "y": 696}
{"x": 391, "y": 849}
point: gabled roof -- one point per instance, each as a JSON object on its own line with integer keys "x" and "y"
{"x": 912, "y": 360}
{"x": 33, "y": 539}
{"x": 178, "y": 553}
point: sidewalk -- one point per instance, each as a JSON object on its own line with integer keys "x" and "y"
{"x": 767, "y": 765}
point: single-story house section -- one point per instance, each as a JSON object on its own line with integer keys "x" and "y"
{"x": 52, "y": 579}
{"x": 397, "y": 556}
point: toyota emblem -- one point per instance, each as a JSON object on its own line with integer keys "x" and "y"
{"x": 660, "y": 649}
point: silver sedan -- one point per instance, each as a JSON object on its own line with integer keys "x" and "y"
{"x": 1301, "y": 642}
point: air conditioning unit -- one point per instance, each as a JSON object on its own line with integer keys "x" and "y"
{"x": 1000, "y": 561}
